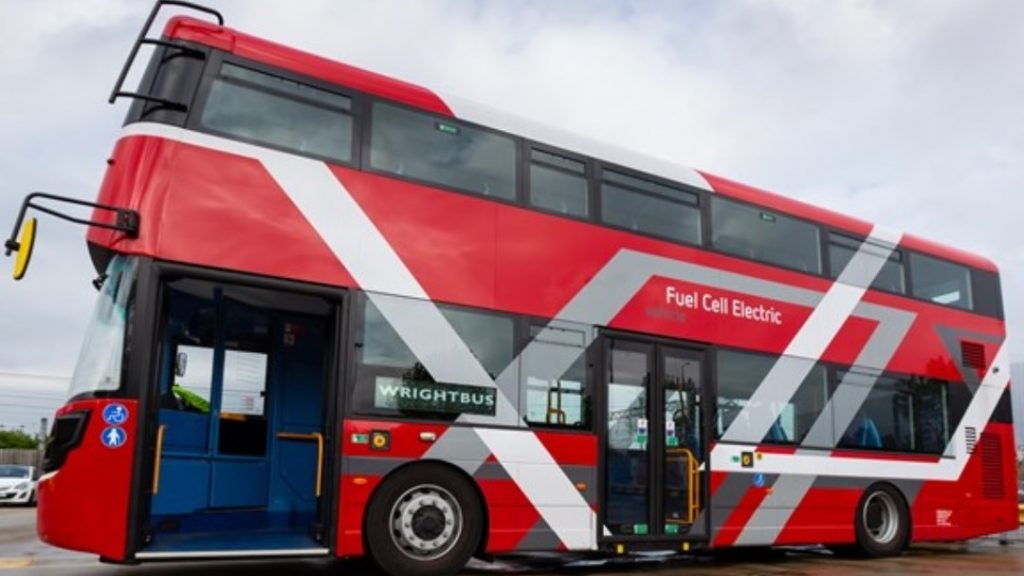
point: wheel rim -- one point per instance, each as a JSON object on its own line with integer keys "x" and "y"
{"x": 426, "y": 522}
{"x": 881, "y": 517}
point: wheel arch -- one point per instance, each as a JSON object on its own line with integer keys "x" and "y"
{"x": 485, "y": 516}
{"x": 901, "y": 493}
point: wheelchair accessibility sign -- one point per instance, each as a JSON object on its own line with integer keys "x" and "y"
{"x": 115, "y": 414}
{"x": 113, "y": 437}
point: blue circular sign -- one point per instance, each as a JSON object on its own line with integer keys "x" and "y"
{"x": 115, "y": 414}
{"x": 113, "y": 437}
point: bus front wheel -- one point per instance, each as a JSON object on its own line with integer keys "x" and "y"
{"x": 425, "y": 520}
{"x": 882, "y": 523}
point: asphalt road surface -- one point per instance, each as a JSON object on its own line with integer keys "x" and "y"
{"x": 21, "y": 552}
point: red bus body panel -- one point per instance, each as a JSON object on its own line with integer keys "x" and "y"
{"x": 222, "y": 210}
{"x": 84, "y": 505}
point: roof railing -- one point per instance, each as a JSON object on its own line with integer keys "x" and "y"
{"x": 144, "y": 38}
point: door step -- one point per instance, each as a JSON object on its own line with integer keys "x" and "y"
{"x": 213, "y": 554}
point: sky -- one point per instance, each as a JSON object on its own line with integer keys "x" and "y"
{"x": 906, "y": 113}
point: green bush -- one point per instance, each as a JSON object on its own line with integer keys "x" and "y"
{"x": 16, "y": 439}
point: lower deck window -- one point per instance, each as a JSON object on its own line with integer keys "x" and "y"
{"x": 555, "y": 377}
{"x": 902, "y": 415}
{"x": 399, "y": 377}
{"x": 739, "y": 375}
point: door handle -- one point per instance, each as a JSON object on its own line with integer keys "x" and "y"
{"x": 156, "y": 460}
{"x": 319, "y": 438}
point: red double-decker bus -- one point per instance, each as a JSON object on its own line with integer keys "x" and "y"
{"x": 342, "y": 315}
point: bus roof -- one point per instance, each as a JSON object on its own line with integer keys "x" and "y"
{"x": 281, "y": 56}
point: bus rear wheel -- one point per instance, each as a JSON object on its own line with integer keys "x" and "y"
{"x": 882, "y": 523}
{"x": 425, "y": 520}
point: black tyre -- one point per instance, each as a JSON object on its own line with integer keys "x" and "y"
{"x": 425, "y": 520}
{"x": 882, "y": 523}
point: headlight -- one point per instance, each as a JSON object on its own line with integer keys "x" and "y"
{"x": 22, "y": 486}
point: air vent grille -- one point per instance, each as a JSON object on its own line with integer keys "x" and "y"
{"x": 973, "y": 355}
{"x": 993, "y": 484}
{"x": 971, "y": 435}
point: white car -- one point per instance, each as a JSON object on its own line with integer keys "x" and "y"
{"x": 17, "y": 484}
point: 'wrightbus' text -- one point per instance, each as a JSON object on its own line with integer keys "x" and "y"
{"x": 695, "y": 300}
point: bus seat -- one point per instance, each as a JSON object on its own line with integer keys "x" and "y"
{"x": 867, "y": 435}
{"x": 777, "y": 433}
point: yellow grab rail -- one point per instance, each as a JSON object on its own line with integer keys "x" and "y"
{"x": 319, "y": 452}
{"x": 692, "y": 481}
{"x": 159, "y": 454}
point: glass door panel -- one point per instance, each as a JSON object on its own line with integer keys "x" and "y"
{"x": 680, "y": 379}
{"x": 628, "y": 490}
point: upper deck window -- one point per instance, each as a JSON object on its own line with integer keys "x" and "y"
{"x": 649, "y": 207}
{"x": 841, "y": 250}
{"x": 271, "y": 110}
{"x": 558, "y": 184}
{"x": 940, "y": 281}
{"x": 759, "y": 234}
{"x": 442, "y": 151}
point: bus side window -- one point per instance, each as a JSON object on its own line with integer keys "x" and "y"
{"x": 442, "y": 151}
{"x": 391, "y": 380}
{"x": 554, "y": 378}
{"x": 275, "y": 111}
{"x": 751, "y": 232}
{"x": 740, "y": 373}
{"x": 558, "y": 184}
{"x": 887, "y": 420}
{"x": 940, "y": 281}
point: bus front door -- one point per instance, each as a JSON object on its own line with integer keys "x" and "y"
{"x": 239, "y": 460}
{"x": 655, "y": 446}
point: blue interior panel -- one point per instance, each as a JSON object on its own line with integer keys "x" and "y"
{"x": 298, "y": 388}
{"x": 238, "y": 484}
{"x": 220, "y": 489}
{"x": 184, "y": 485}
{"x": 185, "y": 431}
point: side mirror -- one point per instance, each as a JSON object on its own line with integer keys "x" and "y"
{"x": 23, "y": 248}
{"x": 180, "y": 364}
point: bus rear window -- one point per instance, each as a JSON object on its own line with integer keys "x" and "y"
{"x": 441, "y": 151}
{"x": 940, "y": 281}
{"x": 281, "y": 113}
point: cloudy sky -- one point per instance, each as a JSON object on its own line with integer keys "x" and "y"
{"x": 904, "y": 113}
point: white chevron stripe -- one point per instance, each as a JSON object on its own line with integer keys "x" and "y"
{"x": 810, "y": 342}
{"x": 363, "y": 250}
{"x": 376, "y": 267}
{"x": 946, "y": 468}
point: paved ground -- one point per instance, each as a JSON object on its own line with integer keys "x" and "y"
{"x": 22, "y": 553}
